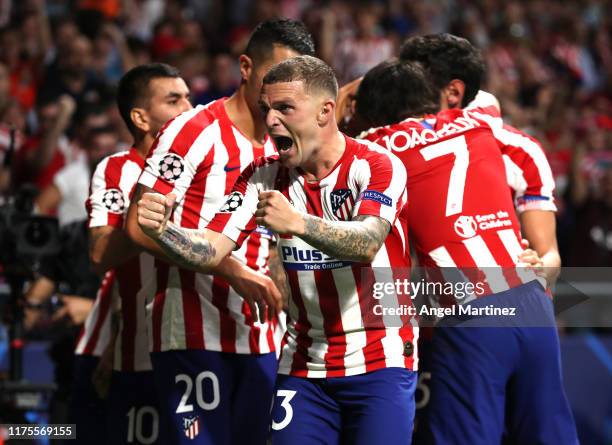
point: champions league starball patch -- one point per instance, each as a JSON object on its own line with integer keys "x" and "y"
{"x": 113, "y": 201}
{"x": 171, "y": 167}
{"x": 232, "y": 203}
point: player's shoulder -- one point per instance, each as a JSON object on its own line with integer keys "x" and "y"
{"x": 113, "y": 161}
{"x": 263, "y": 165}
{"x": 373, "y": 153}
{"x": 198, "y": 118}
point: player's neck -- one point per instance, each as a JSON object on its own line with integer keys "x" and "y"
{"x": 244, "y": 119}
{"x": 143, "y": 145}
{"x": 324, "y": 158}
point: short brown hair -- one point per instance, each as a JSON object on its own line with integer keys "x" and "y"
{"x": 315, "y": 74}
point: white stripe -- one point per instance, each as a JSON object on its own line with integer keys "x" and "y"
{"x": 209, "y": 312}
{"x": 515, "y": 177}
{"x": 514, "y": 249}
{"x": 129, "y": 175}
{"x": 441, "y": 257}
{"x": 246, "y": 149}
{"x": 352, "y": 319}
{"x": 99, "y": 213}
{"x": 173, "y": 319}
{"x": 484, "y": 260}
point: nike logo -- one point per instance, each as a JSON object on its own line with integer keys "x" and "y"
{"x": 229, "y": 168}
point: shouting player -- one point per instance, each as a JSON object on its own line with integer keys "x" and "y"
{"x": 509, "y": 376}
{"x": 214, "y": 363}
{"x": 345, "y": 373}
{"x": 147, "y": 97}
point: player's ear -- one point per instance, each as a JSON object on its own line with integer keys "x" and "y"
{"x": 246, "y": 67}
{"x": 140, "y": 119}
{"x": 326, "y": 112}
{"x": 453, "y": 93}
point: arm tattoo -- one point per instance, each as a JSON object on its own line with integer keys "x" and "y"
{"x": 186, "y": 247}
{"x": 356, "y": 240}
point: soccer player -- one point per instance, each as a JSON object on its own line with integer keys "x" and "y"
{"x": 345, "y": 374}
{"x": 461, "y": 216}
{"x": 213, "y": 357}
{"x": 147, "y": 97}
{"x": 456, "y": 68}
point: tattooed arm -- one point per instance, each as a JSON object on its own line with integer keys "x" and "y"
{"x": 200, "y": 250}
{"x": 205, "y": 251}
{"x": 357, "y": 240}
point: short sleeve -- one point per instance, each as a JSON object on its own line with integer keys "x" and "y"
{"x": 381, "y": 179}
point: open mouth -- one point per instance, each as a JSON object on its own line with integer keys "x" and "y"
{"x": 283, "y": 143}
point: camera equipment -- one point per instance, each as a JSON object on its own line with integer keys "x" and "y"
{"x": 24, "y": 240}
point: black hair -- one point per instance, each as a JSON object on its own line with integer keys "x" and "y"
{"x": 314, "y": 73}
{"x": 133, "y": 89}
{"x": 395, "y": 90}
{"x": 291, "y": 34}
{"x": 447, "y": 57}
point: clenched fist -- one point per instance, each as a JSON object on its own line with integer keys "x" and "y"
{"x": 276, "y": 213}
{"x": 153, "y": 212}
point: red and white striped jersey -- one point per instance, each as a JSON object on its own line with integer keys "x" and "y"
{"x": 460, "y": 210}
{"x": 112, "y": 186}
{"x": 95, "y": 333}
{"x": 332, "y": 327}
{"x": 198, "y": 156}
{"x": 527, "y": 169}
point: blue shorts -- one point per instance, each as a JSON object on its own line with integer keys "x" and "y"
{"x": 133, "y": 413}
{"x": 372, "y": 408}
{"x": 422, "y": 395}
{"x": 495, "y": 377}
{"x": 85, "y": 408}
{"x": 216, "y": 398}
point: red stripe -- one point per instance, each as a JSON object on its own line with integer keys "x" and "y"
{"x": 227, "y": 325}
{"x": 128, "y": 276}
{"x": 373, "y": 324}
{"x": 329, "y": 302}
{"x": 162, "y": 270}
{"x": 192, "y": 314}
{"x": 252, "y": 254}
{"x": 104, "y": 309}
{"x": 255, "y": 331}
{"x": 302, "y": 326}
{"x": 272, "y": 327}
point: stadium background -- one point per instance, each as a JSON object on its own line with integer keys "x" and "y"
{"x": 549, "y": 64}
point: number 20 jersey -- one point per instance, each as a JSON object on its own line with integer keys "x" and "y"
{"x": 460, "y": 208}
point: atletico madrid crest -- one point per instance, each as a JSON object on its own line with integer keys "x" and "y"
{"x": 191, "y": 426}
{"x": 342, "y": 203}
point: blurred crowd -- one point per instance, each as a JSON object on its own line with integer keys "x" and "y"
{"x": 549, "y": 64}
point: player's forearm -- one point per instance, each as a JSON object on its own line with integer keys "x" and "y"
{"x": 278, "y": 275}
{"x": 111, "y": 249}
{"x": 188, "y": 248}
{"x": 356, "y": 240}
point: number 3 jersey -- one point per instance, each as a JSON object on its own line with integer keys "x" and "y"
{"x": 333, "y": 329}
{"x": 461, "y": 212}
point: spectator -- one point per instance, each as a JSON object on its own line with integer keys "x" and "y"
{"x": 70, "y": 186}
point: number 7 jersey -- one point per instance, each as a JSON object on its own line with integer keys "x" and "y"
{"x": 460, "y": 208}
